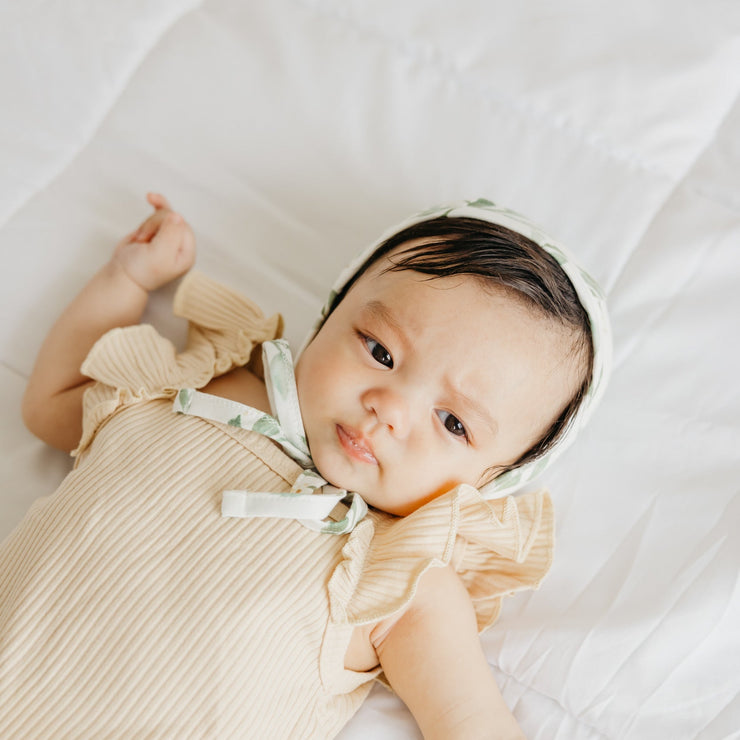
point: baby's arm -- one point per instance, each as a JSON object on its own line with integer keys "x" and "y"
{"x": 433, "y": 658}
{"x": 160, "y": 250}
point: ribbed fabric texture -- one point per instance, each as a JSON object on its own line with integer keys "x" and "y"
{"x": 129, "y": 608}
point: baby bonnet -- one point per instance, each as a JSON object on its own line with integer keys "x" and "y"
{"x": 587, "y": 289}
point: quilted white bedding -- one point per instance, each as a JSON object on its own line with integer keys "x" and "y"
{"x": 291, "y": 133}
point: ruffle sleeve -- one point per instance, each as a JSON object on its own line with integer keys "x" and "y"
{"x": 497, "y": 546}
{"x": 136, "y": 363}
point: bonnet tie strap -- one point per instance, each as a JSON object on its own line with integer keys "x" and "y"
{"x": 312, "y": 500}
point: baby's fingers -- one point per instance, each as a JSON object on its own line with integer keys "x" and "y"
{"x": 175, "y": 244}
{"x": 157, "y": 200}
{"x": 169, "y": 223}
{"x": 151, "y": 226}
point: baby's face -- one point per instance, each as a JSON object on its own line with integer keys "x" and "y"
{"x": 413, "y": 386}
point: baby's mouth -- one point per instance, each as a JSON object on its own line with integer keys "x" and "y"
{"x": 355, "y": 445}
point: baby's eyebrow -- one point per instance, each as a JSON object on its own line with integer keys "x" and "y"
{"x": 380, "y": 312}
{"x": 476, "y": 410}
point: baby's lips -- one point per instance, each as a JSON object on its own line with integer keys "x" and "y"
{"x": 356, "y": 444}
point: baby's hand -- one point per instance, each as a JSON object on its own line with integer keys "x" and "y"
{"x": 160, "y": 250}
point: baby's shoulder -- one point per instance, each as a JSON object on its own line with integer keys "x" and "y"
{"x": 440, "y": 596}
{"x": 242, "y": 386}
{"x": 441, "y": 591}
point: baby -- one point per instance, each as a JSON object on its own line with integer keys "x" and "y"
{"x": 451, "y": 363}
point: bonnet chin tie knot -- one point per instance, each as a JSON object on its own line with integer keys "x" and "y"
{"x": 312, "y": 500}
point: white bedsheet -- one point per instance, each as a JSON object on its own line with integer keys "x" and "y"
{"x": 291, "y": 133}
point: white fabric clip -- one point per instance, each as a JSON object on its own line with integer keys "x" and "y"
{"x": 301, "y": 505}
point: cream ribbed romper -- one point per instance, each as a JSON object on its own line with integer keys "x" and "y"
{"x": 130, "y": 608}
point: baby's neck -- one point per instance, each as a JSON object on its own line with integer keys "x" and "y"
{"x": 242, "y": 386}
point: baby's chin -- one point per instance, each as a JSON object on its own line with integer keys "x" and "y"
{"x": 331, "y": 465}
{"x": 334, "y": 477}
{"x": 343, "y": 483}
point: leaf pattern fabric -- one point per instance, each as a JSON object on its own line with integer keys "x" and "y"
{"x": 312, "y": 499}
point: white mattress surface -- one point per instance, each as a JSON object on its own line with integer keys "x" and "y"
{"x": 292, "y": 133}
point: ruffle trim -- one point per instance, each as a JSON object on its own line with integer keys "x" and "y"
{"x": 136, "y": 363}
{"x": 497, "y": 547}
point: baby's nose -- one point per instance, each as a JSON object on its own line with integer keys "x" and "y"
{"x": 390, "y": 408}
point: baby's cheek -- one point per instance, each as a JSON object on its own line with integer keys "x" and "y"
{"x": 303, "y": 383}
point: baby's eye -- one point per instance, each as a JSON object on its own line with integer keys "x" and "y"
{"x": 452, "y": 424}
{"x": 379, "y": 352}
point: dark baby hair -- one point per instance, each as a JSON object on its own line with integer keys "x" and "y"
{"x": 501, "y": 257}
